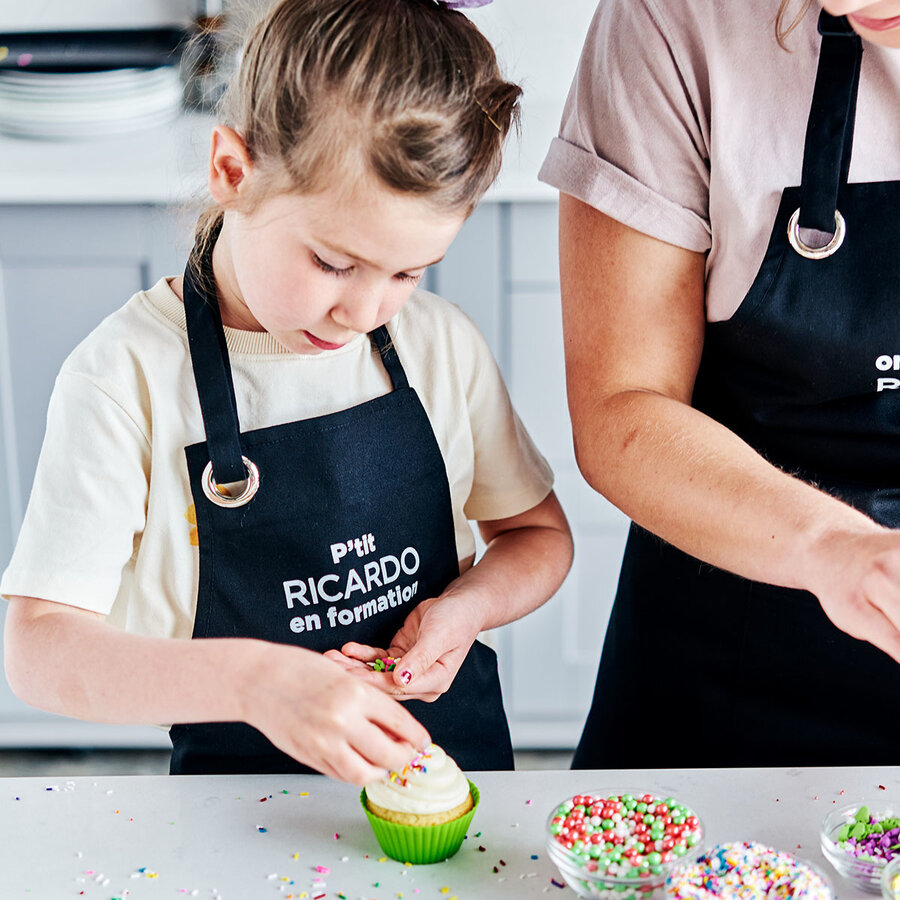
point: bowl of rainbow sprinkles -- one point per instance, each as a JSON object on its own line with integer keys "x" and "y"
{"x": 747, "y": 870}
{"x": 620, "y": 845}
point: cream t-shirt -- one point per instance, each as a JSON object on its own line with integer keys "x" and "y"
{"x": 110, "y": 523}
{"x": 686, "y": 120}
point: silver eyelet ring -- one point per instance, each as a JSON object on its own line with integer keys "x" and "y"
{"x": 840, "y": 230}
{"x": 246, "y": 495}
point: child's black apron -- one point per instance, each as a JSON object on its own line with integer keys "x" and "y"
{"x": 350, "y": 527}
{"x": 701, "y": 667}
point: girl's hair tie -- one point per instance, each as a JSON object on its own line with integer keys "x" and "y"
{"x": 463, "y": 4}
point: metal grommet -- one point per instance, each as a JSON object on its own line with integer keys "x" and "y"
{"x": 210, "y": 488}
{"x": 840, "y": 230}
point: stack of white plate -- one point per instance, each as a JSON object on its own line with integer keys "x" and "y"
{"x": 87, "y": 104}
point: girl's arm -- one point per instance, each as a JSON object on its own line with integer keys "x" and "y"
{"x": 525, "y": 561}
{"x": 70, "y": 661}
{"x": 634, "y": 320}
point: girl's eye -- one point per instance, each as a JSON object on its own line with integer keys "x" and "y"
{"x": 410, "y": 279}
{"x": 332, "y": 270}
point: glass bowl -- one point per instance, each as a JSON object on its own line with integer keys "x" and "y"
{"x": 862, "y": 871}
{"x": 890, "y": 880}
{"x": 618, "y": 844}
{"x": 729, "y": 870}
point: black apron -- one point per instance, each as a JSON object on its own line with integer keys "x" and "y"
{"x": 719, "y": 670}
{"x": 343, "y": 526}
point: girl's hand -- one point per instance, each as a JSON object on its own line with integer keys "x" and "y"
{"x": 432, "y": 645}
{"x": 322, "y": 716}
{"x": 430, "y": 648}
{"x": 354, "y": 659}
{"x": 856, "y": 577}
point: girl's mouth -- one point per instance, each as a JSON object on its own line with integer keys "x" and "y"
{"x": 875, "y": 24}
{"x": 318, "y": 342}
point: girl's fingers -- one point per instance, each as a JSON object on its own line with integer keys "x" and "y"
{"x": 381, "y": 750}
{"x": 388, "y": 715}
{"x": 362, "y": 652}
{"x": 349, "y": 765}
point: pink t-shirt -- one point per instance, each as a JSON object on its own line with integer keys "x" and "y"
{"x": 686, "y": 120}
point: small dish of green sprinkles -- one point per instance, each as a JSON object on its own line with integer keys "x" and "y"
{"x": 860, "y": 842}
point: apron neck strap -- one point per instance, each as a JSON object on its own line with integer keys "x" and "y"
{"x": 829, "y": 129}
{"x": 382, "y": 341}
{"x": 212, "y": 369}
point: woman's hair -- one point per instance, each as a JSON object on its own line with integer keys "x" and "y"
{"x": 782, "y": 27}
{"x": 339, "y": 91}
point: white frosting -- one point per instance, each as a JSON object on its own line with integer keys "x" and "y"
{"x": 433, "y": 783}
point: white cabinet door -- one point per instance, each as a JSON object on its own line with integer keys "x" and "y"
{"x": 551, "y": 657}
{"x": 62, "y": 270}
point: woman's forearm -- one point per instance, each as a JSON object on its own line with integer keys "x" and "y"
{"x": 700, "y": 487}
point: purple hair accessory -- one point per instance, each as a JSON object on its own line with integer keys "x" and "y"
{"x": 463, "y": 4}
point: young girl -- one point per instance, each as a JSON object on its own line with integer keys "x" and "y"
{"x": 278, "y": 453}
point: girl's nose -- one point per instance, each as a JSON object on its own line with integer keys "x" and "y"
{"x": 359, "y": 312}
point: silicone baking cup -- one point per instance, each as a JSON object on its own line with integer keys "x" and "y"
{"x": 421, "y": 844}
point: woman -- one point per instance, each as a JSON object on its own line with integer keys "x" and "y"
{"x": 732, "y": 347}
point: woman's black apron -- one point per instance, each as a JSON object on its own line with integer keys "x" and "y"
{"x": 704, "y": 668}
{"x": 343, "y": 525}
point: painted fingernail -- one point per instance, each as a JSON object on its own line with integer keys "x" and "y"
{"x": 406, "y": 676}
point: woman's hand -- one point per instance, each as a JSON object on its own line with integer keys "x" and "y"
{"x": 430, "y": 648}
{"x": 320, "y": 715}
{"x": 856, "y": 577}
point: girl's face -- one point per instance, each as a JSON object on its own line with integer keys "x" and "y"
{"x": 878, "y": 23}
{"x": 315, "y": 271}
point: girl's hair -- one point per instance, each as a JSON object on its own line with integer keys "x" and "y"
{"x": 407, "y": 91}
{"x": 783, "y": 28}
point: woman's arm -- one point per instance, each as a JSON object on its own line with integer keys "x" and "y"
{"x": 70, "y": 661}
{"x": 526, "y": 559}
{"x": 634, "y": 319}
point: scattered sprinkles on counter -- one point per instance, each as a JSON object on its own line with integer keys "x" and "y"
{"x": 747, "y": 869}
{"x": 875, "y": 837}
{"x": 621, "y": 834}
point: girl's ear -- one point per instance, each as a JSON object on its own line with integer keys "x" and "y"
{"x": 229, "y": 165}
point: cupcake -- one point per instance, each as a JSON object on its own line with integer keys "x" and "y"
{"x": 420, "y": 815}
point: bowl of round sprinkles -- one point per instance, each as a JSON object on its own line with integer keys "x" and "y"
{"x": 890, "y": 880}
{"x": 859, "y": 843}
{"x": 620, "y": 845}
{"x": 747, "y": 870}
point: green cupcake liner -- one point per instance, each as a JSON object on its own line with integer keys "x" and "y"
{"x": 421, "y": 844}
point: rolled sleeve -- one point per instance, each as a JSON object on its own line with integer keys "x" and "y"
{"x": 634, "y": 137}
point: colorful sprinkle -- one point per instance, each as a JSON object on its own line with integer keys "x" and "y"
{"x": 746, "y": 869}
{"x": 870, "y": 837}
{"x": 623, "y": 835}
{"x": 385, "y": 664}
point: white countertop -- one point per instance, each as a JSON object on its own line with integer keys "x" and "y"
{"x": 167, "y": 165}
{"x": 168, "y": 837}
